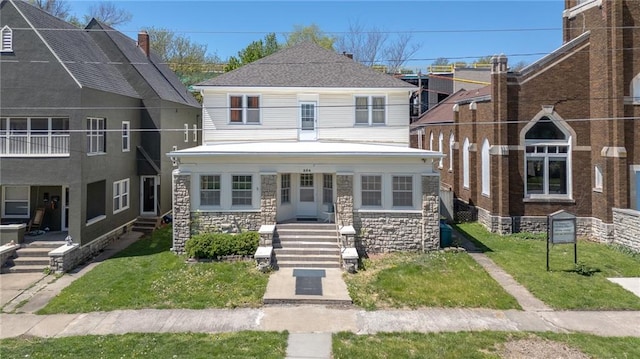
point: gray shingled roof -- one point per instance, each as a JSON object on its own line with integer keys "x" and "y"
{"x": 443, "y": 111}
{"x": 157, "y": 74}
{"x": 76, "y": 49}
{"x": 306, "y": 65}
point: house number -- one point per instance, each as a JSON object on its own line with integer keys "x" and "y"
{"x": 306, "y": 170}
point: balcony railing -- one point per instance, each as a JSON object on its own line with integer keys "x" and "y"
{"x": 40, "y": 145}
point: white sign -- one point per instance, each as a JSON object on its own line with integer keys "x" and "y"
{"x": 563, "y": 231}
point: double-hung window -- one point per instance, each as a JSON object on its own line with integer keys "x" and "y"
{"x": 126, "y": 136}
{"x": 327, "y": 188}
{"x": 371, "y": 190}
{"x": 120, "y": 195}
{"x": 241, "y": 190}
{"x": 96, "y": 135}
{"x": 285, "y": 188}
{"x": 244, "y": 109}
{"x": 210, "y": 190}
{"x": 546, "y": 161}
{"x": 15, "y": 201}
{"x": 370, "y": 110}
{"x": 402, "y": 191}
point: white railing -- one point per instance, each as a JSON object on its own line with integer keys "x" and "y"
{"x": 34, "y": 145}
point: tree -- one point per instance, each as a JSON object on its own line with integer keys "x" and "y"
{"x": 309, "y": 33}
{"x": 373, "y": 46}
{"x": 399, "y": 52}
{"x": 57, "y": 8}
{"x": 254, "y": 51}
{"x": 108, "y": 13}
{"x": 187, "y": 59}
{"x": 440, "y": 61}
{"x": 519, "y": 66}
{"x": 365, "y": 45}
{"x": 484, "y": 60}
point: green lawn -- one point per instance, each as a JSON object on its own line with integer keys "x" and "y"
{"x": 438, "y": 279}
{"x": 157, "y": 345}
{"x": 148, "y": 275}
{"x": 481, "y": 345}
{"x": 524, "y": 257}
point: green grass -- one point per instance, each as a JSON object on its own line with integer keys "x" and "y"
{"x": 438, "y": 279}
{"x": 524, "y": 257}
{"x": 473, "y": 344}
{"x": 148, "y": 275}
{"x": 160, "y": 345}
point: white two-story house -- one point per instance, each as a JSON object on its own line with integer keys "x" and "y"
{"x": 308, "y": 134}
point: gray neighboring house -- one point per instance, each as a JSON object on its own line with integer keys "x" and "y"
{"x": 85, "y": 119}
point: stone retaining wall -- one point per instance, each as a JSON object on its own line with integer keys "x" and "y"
{"x": 225, "y": 222}
{"x": 626, "y": 223}
{"x": 66, "y": 258}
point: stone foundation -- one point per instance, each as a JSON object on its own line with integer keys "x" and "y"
{"x": 225, "y": 222}
{"x": 388, "y": 232}
{"x": 626, "y": 223}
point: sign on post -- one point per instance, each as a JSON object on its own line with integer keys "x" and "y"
{"x": 561, "y": 229}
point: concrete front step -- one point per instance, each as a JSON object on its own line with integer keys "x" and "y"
{"x": 34, "y": 251}
{"x": 307, "y": 225}
{"x": 308, "y": 258}
{"x": 321, "y": 265}
{"x": 24, "y": 269}
{"x": 44, "y": 244}
{"x": 333, "y": 250}
{"x": 307, "y": 239}
{"x": 40, "y": 261}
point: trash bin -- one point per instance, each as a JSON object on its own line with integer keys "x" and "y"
{"x": 445, "y": 235}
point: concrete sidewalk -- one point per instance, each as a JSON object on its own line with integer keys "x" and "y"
{"x": 317, "y": 319}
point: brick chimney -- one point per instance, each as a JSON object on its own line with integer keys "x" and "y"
{"x": 143, "y": 42}
{"x": 347, "y": 55}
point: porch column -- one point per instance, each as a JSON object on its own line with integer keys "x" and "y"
{"x": 268, "y": 198}
{"x": 344, "y": 202}
{"x": 431, "y": 212}
{"x": 181, "y": 209}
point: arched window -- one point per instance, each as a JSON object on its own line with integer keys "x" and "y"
{"x": 465, "y": 163}
{"x": 451, "y": 143}
{"x": 7, "y": 39}
{"x": 440, "y": 143}
{"x": 635, "y": 89}
{"x": 547, "y": 157}
{"x": 431, "y": 141}
{"x": 486, "y": 169}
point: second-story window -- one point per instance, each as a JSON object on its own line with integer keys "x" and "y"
{"x": 126, "y": 136}
{"x": 370, "y": 110}
{"x": 244, "y": 109}
{"x": 96, "y": 133}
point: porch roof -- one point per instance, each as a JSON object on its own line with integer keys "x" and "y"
{"x": 304, "y": 149}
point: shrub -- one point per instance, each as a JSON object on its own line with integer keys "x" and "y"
{"x": 214, "y": 245}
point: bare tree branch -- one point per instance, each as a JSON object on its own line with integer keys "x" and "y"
{"x": 108, "y": 13}
{"x": 399, "y": 51}
{"x": 57, "y": 8}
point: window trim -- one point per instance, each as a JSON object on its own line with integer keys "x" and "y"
{"x": 4, "y": 201}
{"x": 393, "y": 191}
{"x": 370, "y": 110}
{"x": 195, "y": 132}
{"x": 287, "y": 188}
{"x": 486, "y": 168}
{"x": 441, "y": 149}
{"x": 219, "y": 190}
{"x": 598, "y": 180}
{"x": 452, "y": 143}
{"x": 186, "y": 132}
{"x": 382, "y": 192}
{"x": 250, "y": 205}
{"x": 465, "y": 164}
{"x": 325, "y": 188}
{"x": 6, "y": 30}
{"x": 126, "y": 134}
{"x": 121, "y": 195}
{"x": 244, "y": 108}
{"x": 95, "y": 133}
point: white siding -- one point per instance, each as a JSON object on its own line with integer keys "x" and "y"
{"x": 280, "y": 116}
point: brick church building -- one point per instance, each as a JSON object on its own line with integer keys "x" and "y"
{"x": 562, "y": 133}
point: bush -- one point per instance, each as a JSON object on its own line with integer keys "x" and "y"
{"x": 215, "y": 245}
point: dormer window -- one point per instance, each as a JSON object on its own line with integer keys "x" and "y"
{"x": 7, "y": 39}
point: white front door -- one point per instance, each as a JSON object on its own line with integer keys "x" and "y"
{"x": 148, "y": 195}
{"x": 307, "y": 205}
{"x": 308, "y": 129}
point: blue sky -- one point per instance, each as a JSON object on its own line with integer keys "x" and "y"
{"x": 523, "y": 30}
